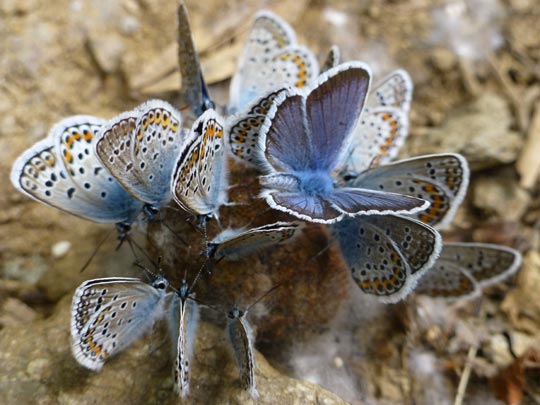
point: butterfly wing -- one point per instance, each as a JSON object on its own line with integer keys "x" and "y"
{"x": 486, "y": 263}
{"x": 332, "y": 59}
{"x": 440, "y": 179}
{"x": 243, "y": 129}
{"x": 237, "y": 245}
{"x": 270, "y": 58}
{"x": 155, "y": 147}
{"x": 188, "y": 320}
{"x": 384, "y": 124}
{"x": 387, "y": 254}
{"x": 395, "y": 90}
{"x": 199, "y": 182}
{"x": 362, "y": 201}
{"x": 109, "y": 314}
{"x": 380, "y": 133}
{"x": 61, "y": 171}
{"x": 139, "y": 148}
{"x": 447, "y": 280}
{"x": 332, "y": 110}
{"x": 241, "y": 338}
{"x": 75, "y": 140}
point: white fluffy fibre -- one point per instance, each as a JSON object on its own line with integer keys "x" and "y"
{"x": 432, "y": 387}
{"x": 325, "y": 360}
{"x": 471, "y": 28}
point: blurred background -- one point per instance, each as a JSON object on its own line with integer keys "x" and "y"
{"x": 475, "y": 66}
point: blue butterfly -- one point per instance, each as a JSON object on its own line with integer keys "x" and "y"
{"x": 63, "y": 171}
{"x": 300, "y": 144}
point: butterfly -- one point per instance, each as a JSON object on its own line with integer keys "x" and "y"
{"x": 441, "y": 179}
{"x": 139, "y": 148}
{"x": 384, "y": 124}
{"x": 271, "y": 58}
{"x": 233, "y": 244}
{"x": 185, "y": 315}
{"x": 109, "y": 314}
{"x": 387, "y": 254}
{"x": 199, "y": 180}
{"x": 301, "y": 141}
{"x": 463, "y": 268}
{"x": 63, "y": 171}
{"x": 241, "y": 339}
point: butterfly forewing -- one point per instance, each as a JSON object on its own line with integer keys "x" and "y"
{"x": 440, "y": 179}
{"x": 486, "y": 263}
{"x": 384, "y": 124}
{"x": 155, "y": 147}
{"x": 395, "y": 90}
{"x": 377, "y": 138}
{"x": 448, "y": 280}
{"x": 332, "y": 59}
{"x": 332, "y": 110}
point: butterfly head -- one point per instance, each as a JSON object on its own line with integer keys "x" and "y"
{"x": 235, "y": 312}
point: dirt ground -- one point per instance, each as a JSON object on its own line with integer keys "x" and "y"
{"x": 476, "y": 69}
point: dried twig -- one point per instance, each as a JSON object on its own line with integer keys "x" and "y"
{"x": 464, "y": 380}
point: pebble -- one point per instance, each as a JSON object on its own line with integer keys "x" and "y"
{"x": 60, "y": 249}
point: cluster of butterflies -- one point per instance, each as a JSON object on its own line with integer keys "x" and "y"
{"x": 323, "y": 141}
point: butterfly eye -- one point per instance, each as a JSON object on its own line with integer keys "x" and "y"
{"x": 349, "y": 176}
{"x": 161, "y": 285}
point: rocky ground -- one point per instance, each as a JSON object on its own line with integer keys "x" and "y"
{"x": 476, "y": 70}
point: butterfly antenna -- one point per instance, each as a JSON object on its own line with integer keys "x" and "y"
{"x": 133, "y": 243}
{"x": 100, "y": 244}
{"x": 197, "y": 276}
{"x": 266, "y": 294}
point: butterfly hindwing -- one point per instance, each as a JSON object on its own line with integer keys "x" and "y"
{"x": 387, "y": 254}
